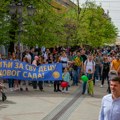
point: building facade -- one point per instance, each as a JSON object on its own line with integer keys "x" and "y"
{"x": 62, "y": 5}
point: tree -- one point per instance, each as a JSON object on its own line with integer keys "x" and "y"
{"x": 4, "y": 23}
{"x": 92, "y": 26}
{"x": 44, "y": 28}
{"x": 86, "y": 25}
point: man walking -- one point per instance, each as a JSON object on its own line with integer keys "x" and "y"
{"x": 110, "y": 107}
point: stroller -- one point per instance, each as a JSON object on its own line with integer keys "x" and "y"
{"x": 2, "y": 87}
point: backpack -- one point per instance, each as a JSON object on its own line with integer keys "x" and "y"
{"x": 87, "y": 62}
{"x": 92, "y": 63}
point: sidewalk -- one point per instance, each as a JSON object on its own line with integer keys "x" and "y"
{"x": 48, "y": 105}
{"x": 88, "y": 108}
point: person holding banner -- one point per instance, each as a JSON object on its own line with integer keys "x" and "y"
{"x": 40, "y": 83}
{"x": 50, "y": 60}
{"x": 28, "y": 56}
{"x": 26, "y": 81}
{"x": 57, "y": 82}
{"x": 35, "y": 62}
{"x": 12, "y": 82}
{"x": 16, "y": 82}
{"x": 64, "y": 60}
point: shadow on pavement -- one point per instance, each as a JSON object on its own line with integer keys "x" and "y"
{"x": 4, "y": 104}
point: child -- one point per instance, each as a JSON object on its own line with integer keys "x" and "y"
{"x": 90, "y": 82}
{"x": 66, "y": 78}
{"x": 4, "y": 97}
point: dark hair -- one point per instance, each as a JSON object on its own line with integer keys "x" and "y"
{"x": 26, "y": 59}
{"x": 89, "y": 70}
{"x": 117, "y": 79}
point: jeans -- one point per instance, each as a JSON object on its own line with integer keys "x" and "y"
{"x": 56, "y": 85}
{"x": 34, "y": 84}
{"x": 11, "y": 83}
{"x": 104, "y": 76}
{"x": 78, "y": 72}
{"x": 40, "y": 85}
{"x": 75, "y": 77}
{"x": 84, "y": 87}
{"x": 97, "y": 74}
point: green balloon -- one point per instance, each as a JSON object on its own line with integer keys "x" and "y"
{"x": 84, "y": 78}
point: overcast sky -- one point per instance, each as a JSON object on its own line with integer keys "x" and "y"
{"x": 112, "y": 5}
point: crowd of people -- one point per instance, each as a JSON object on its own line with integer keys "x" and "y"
{"x": 98, "y": 64}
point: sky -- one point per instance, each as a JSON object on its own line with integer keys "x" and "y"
{"x": 113, "y": 6}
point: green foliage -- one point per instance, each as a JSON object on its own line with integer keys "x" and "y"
{"x": 92, "y": 27}
{"x": 99, "y": 29}
{"x": 44, "y": 27}
{"x": 49, "y": 28}
{"x": 4, "y": 22}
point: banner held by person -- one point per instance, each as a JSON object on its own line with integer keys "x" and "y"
{"x": 24, "y": 71}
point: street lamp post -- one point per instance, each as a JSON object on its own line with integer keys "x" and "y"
{"x": 17, "y": 8}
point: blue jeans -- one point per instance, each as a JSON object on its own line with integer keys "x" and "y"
{"x": 78, "y": 72}
{"x": 97, "y": 74}
{"x": 11, "y": 83}
{"x": 84, "y": 87}
{"x": 75, "y": 77}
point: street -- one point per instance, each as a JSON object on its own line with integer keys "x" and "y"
{"x": 49, "y": 105}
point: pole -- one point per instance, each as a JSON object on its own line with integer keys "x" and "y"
{"x": 78, "y": 15}
{"x": 16, "y": 9}
{"x": 19, "y": 29}
{"x": 19, "y": 36}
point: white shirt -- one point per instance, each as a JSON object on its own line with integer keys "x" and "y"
{"x": 28, "y": 56}
{"x": 89, "y": 65}
{"x": 64, "y": 61}
{"x": 110, "y": 108}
